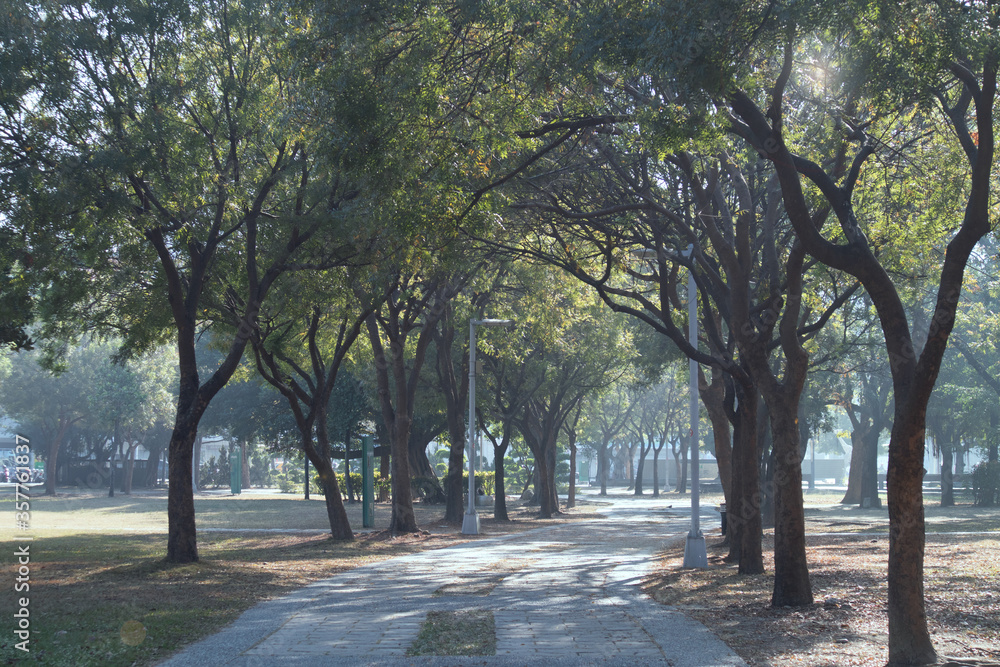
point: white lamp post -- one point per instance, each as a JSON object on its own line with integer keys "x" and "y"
{"x": 695, "y": 553}
{"x": 470, "y": 524}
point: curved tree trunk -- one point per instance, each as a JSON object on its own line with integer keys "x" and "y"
{"x": 340, "y": 525}
{"x": 420, "y": 465}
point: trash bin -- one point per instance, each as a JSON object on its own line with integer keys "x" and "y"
{"x": 722, "y": 514}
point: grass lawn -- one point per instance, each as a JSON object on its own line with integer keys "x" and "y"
{"x": 102, "y": 594}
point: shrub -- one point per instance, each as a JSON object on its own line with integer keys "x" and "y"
{"x": 986, "y": 484}
{"x": 484, "y": 479}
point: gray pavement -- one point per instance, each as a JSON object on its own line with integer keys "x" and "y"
{"x": 562, "y": 595}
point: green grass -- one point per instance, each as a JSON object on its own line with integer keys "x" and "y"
{"x": 87, "y": 588}
{"x": 461, "y": 633}
{"x": 82, "y": 513}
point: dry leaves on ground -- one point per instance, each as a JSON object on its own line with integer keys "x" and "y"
{"x": 847, "y": 625}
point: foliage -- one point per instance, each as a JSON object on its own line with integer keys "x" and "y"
{"x": 215, "y": 473}
{"x": 986, "y": 484}
{"x": 294, "y": 483}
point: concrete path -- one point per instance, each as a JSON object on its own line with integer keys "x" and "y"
{"x": 564, "y": 595}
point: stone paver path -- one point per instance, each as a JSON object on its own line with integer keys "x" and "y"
{"x": 564, "y": 595}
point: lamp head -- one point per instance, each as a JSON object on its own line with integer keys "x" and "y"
{"x": 492, "y": 323}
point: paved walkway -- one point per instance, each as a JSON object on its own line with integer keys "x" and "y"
{"x": 563, "y": 595}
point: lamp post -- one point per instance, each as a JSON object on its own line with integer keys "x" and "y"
{"x": 470, "y": 523}
{"x": 695, "y": 553}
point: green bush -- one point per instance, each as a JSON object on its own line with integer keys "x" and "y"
{"x": 986, "y": 484}
{"x": 291, "y": 477}
{"x": 484, "y": 480}
{"x": 356, "y": 478}
{"x": 260, "y": 469}
{"x": 215, "y": 473}
{"x": 383, "y": 487}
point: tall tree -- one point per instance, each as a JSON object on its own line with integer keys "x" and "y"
{"x": 400, "y": 332}
{"x": 962, "y": 73}
{"x": 167, "y": 138}
{"x": 300, "y": 354}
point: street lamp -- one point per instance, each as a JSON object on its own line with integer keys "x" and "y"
{"x": 470, "y": 524}
{"x": 695, "y": 552}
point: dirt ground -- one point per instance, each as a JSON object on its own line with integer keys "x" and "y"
{"x": 847, "y": 624}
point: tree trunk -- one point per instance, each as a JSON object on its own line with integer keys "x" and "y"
{"x": 543, "y": 493}
{"x": 744, "y": 517}
{"x": 767, "y": 501}
{"x": 628, "y": 456}
{"x": 530, "y": 481}
{"x": 195, "y": 464}
{"x": 641, "y": 467}
{"x": 55, "y": 442}
{"x": 245, "y": 465}
{"x": 129, "y": 470}
{"x": 182, "y": 541}
{"x": 340, "y": 525}
{"x": 553, "y": 484}
{"x": 765, "y": 458}
{"x": 713, "y": 398}
{"x": 869, "y": 468}
{"x": 111, "y": 470}
{"x": 853, "y": 494}
{"x": 947, "y": 481}
{"x": 499, "y": 483}
{"x": 420, "y": 465}
{"x": 402, "y": 519}
{"x": 152, "y": 477}
{"x": 791, "y": 573}
{"x": 909, "y": 640}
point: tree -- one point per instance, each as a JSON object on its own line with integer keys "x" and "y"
{"x": 300, "y": 354}
{"x": 661, "y": 418}
{"x": 132, "y": 401}
{"x": 612, "y": 409}
{"x": 168, "y": 142}
{"x": 34, "y": 396}
{"x": 963, "y": 75}
{"x": 577, "y": 354}
{"x": 415, "y": 304}
{"x": 511, "y": 382}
